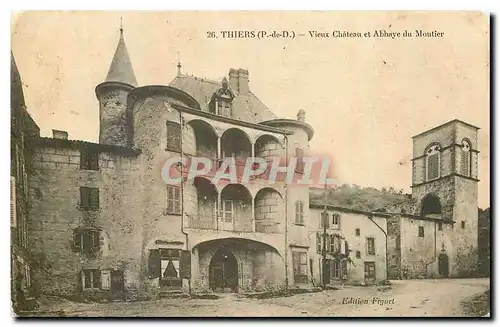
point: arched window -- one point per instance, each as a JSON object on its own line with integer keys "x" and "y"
{"x": 465, "y": 154}
{"x": 433, "y": 162}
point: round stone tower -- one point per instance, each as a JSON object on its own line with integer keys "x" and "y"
{"x": 112, "y": 94}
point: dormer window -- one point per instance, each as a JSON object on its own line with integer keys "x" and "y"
{"x": 224, "y": 108}
{"x": 222, "y": 99}
{"x": 433, "y": 162}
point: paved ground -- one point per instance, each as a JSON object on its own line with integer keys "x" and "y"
{"x": 403, "y": 298}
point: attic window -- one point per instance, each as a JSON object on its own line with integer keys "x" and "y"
{"x": 224, "y": 108}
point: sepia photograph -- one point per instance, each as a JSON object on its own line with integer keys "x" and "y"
{"x": 250, "y": 164}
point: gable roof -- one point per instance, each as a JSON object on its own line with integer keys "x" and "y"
{"x": 247, "y": 108}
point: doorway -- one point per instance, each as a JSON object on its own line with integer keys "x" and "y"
{"x": 117, "y": 285}
{"x": 223, "y": 272}
{"x": 443, "y": 265}
{"x": 370, "y": 275}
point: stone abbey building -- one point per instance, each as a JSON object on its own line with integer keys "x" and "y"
{"x": 99, "y": 220}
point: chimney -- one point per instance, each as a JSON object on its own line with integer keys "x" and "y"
{"x": 238, "y": 80}
{"x": 57, "y": 134}
{"x": 243, "y": 88}
{"x": 233, "y": 79}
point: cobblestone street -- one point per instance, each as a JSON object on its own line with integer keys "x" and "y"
{"x": 414, "y": 298}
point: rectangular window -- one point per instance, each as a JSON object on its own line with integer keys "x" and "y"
{"x": 336, "y": 221}
{"x": 89, "y": 198}
{"x": 224, "y": 108}
{"x": 91, "y": 279}
{"x": 299, "y": 168}
{"x": 325, "y": 220}
{"x": 299, "y": 267}
{"x": 86, "y": 240}
{"x": 358, "y": 232}
{"x": 370, "y": 246}
{"x": 299, "y": 213}
{"x": 165, "y": 264}
{"x": 335, "y": 244}
{"x": 463, "y": 224}
{"x": 440, "y": 226}
{"x": 420, "y": 231}
{"x": 358, "y": 254}
{"x": 173, "y": 200}
{"x": 227, "y": 212}
{"x": 89, "y": 159}
{"x": 173, "y": 136}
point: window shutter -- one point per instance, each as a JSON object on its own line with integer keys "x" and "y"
{"x": 329, "y": 244}
{"x": 13, "y": 211}
{"x": 177, "y": 192}
{"x": 77, "y": 240}
{"x": 84, "y": 197}
{"x": 94, "y": 161}
{"x": 79, "y": 277}
{"x": 105, "y": 279}
{"x": 344, "y": 268}
{"x": 96, "y": 278}
{"x": 83, "y": 161}
{"x": 318, "y": 243}
{"x": 346, "y": 248}
{"x": 154, "y": 264}
{"x": 96, "y": 240}
{"x": 325, "y": 220}
{"x": 94, "y": 198}
{"x": 185, "y": 264}
{"x": 367, "y": 246}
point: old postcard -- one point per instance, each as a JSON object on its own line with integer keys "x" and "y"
{"x": 250, "y": 164}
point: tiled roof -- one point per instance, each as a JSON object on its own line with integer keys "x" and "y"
{"x": 77, "y": 144}
{"x": 248, "y": 108}
{"x": 16, "y": 89}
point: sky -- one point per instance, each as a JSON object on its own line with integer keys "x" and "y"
{"x": 365, "y": 98}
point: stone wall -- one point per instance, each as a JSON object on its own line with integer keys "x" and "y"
{"x": 55, "y": 212}
{"x": 269, "y": 208}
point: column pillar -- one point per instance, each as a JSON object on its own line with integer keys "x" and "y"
{"x": 253, "y": 214}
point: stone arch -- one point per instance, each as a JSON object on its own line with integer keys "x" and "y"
{"x": 205, "y": 138}
{"x": 431, "y": 206}
{"x": 236, "y": 208}
{"x": 267, "y": 146}
{"x": 206, "y": 200}
{"x": 236, "y": 143}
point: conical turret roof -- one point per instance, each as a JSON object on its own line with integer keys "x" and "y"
{"x": 121, "y": 67}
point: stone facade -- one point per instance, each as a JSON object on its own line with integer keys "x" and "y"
{"x": 434, "y": 234}
{"x": 354, "y": 229}
{"x": 103, "y": 222}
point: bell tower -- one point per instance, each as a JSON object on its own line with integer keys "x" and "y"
{"x": 112, "y": 95}
{"x": 445, "y": 186}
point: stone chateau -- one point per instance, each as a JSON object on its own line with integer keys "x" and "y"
{"x": 96, "y": 220}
